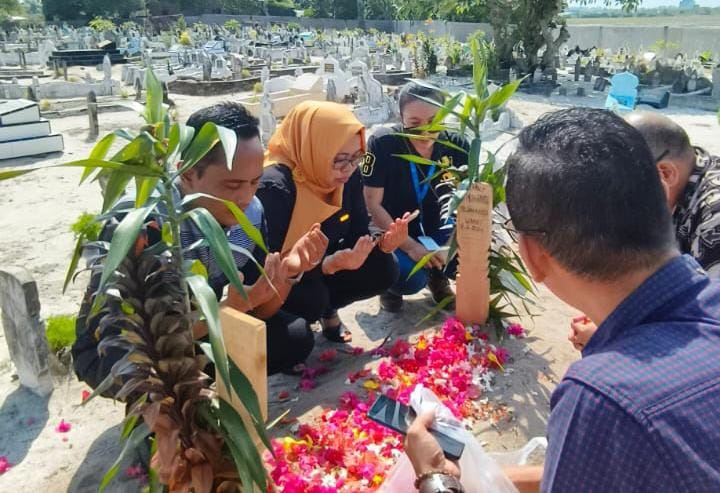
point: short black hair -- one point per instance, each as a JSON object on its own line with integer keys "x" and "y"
{"x": 233, "y": 116}
{"x": 665, "y": 138}
{"x": 413, "y": 90}
{"x": 583, "y": 183}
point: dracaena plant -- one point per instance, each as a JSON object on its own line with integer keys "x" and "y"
{"x": 149, "y": 298}
{"x": 511, "y": 289}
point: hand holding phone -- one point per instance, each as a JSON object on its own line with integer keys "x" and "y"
{"x": 398, "y": 417}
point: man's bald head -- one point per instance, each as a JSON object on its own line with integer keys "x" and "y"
{"x": 671, "y": 149}
{"x": 665, "y": 138}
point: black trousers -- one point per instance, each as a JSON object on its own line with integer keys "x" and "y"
{"x": 318, "y": 294}
{"x": 289, "y": 341}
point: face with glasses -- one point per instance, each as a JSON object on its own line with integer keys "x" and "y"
{"x": 347, "y": 160}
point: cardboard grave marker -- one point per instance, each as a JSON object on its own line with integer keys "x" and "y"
{"x": 474, "y": 223}
{"x": 246, "y": 345}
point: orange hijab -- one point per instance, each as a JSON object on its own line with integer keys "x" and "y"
{"x": 307, "y": 142}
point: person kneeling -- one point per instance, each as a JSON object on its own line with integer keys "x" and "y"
{"x": 312, "y": 182}
{"x": 289, "y": 338}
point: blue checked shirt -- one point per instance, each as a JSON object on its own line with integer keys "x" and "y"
{"x": 640, "y": 412}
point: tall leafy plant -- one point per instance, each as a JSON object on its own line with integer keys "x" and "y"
{"x": 148, "y": 300}
{"x": 511, "y": 289}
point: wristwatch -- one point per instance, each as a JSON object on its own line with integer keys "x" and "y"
{"x": 440, "y": 483}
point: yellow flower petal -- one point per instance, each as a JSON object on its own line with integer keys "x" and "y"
{"x": 371, "y": 385}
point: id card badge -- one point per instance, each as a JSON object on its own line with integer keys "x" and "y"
{"x": 429, "y": 244}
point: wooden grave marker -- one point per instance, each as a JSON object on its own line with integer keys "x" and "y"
{"x": 246, "y": 345}
{"x": 474, "y": 223}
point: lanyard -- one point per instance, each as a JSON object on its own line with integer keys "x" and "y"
{"x": 420, "y": 192}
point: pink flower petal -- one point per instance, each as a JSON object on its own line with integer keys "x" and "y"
{"x": 4, "y": 464}
{"x": 63, "y": 427}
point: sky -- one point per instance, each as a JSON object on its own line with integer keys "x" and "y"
{"x": 662, "y": 3}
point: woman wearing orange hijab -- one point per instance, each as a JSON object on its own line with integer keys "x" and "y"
{"x": 311, "y": 181}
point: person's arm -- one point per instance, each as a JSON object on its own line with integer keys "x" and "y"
{"x": 527, "y": 479}
{"x": 278, "y": 202}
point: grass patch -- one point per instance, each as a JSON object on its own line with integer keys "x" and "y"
{"x": 86, "y": 225}
{"x": 60, "y": 331}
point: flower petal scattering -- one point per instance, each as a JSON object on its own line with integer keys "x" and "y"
{"x": 63, "y": 427}
{"x": 343, "y": 450}
{"x": 4, "y": 464}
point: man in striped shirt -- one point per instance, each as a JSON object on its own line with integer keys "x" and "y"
{"x": 290, "y": 339}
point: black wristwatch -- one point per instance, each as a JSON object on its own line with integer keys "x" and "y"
{"x": 440, "y": 483}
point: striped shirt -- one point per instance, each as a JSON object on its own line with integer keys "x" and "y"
{"x": 190, "y": 235}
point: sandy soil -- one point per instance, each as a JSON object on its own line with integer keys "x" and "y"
{"x": 37, "y": 210}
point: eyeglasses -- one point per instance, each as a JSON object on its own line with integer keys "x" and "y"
{"x": 662, "y": 156}
{"x": 514, "y": 230}
{"x": 348, "y": 163}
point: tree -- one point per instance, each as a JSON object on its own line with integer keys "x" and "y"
{"x": 63, "y": 9}
{"x": 527, "y": 24}
{"x": 380, "y": 9}
{"x": 8, "y": 8}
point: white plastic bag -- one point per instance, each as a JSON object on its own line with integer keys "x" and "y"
{"x": 519, "y": 457}
{"x": 480, "y": 473}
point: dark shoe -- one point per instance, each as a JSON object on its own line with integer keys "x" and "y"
{"x": 391, "y": 302}
{"x": 334, "y": 330}
{"x": 440, "y": 289}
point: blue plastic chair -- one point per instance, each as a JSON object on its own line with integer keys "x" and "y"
{"x": 623, "y": 92}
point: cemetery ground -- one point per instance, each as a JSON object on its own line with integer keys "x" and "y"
{"x": 37, "y": 210}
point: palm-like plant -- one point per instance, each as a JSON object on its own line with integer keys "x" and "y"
{"x": 144, "y": 306}
{"x": 510, "y": 283}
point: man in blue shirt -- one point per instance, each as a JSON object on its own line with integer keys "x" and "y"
{"x": 640, "y": 412}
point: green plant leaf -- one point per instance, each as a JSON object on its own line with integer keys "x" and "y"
{"x": 502, "y": 95}
{"x": 414, "y": 158}
{"x": 248, "y": 227}
{"x": 198, "y": 268}
{"x": 82, "y": 163}
{"x": 275, "y": 421}
{"x": 144, "y": 187}
{"x": 131, "y": 105}
{"x": 248, "y": 254}
{"x": 180, "y": 137}
{"x": 154, "y": 111}
{"x": 124, "y": 133}
{"x": 201, "y": 144}
{"x": 114, "y": 189}
{"x": 450, "y": 145}
{"x": 99, "y": 152}
{"x": 218, "y": 242}
{"x": 240, "y": 437}
{"x": 75, "y": 259}
{"x": 205, "y": 297}
{"x": 228, "y": 138}
{"x": 245, "y": 391}
{"x": 474, "y": 160}
{"x": 167, "y": 234}
{"x": 479, "y": 70}
{"x": 436, "y": 309}
{"x": 136, "y": 150}
{"x": 123, "y": 240}
{"x": 448, "y": 108}
{"x": 136, "y": 437}
{"x": 423, "y": 261}
{"x": 131, "y": 421}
